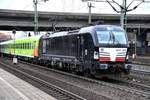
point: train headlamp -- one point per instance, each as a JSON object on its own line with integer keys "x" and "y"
{"x": 96, "y": 55}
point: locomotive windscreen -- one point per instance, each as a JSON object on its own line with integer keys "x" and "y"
{"x": 111, "y": 37}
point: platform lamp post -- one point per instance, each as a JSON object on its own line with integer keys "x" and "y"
{"x": 14, "y": 57}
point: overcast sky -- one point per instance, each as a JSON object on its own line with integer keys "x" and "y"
{"x": 76, "y": 6}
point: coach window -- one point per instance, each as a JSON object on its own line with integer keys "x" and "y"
{"x": 29, "y": 45}
{"x": 32, "y": 46}
{"x": 26, "y": 46}
{"x": 16, "y": 46}
{"x": 11, "y": 45}
{"x": 23, "y": 45}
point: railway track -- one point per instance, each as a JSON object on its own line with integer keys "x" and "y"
{"x": 139, "y": 79}
{"x": 135, "y": 85}
{"x": 129, "y": 84}
{"x": 140, "y": 76}
{"x": 55, "y": 91}
{"x": 98, "y": 87}
{"x": 141, "y": 68}
{"x": 141, "y": 72}
{"x": 50, "y": 78}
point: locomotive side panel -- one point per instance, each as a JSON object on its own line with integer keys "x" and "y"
{"x": 60, "y": 49}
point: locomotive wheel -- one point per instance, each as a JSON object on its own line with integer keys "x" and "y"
{"x": 87, "y": 73}
{"x": 127, "y": 72}
{"x": 73, "y": 72}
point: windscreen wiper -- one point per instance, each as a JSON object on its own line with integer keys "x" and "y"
{"x": 110, "y": 38}
{"x": 114, "y": 39}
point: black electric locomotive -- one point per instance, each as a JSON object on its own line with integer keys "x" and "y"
{"x": 95, "y": 50}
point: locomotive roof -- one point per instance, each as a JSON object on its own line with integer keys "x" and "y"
{"x": 100, "y": 27}
{"x": 83, "y": 30}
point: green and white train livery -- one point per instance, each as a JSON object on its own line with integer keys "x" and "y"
{"x": 27, "y": 47}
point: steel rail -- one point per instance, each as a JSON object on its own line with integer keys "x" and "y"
{"x": 142, "y": 72}
{"x": 122, "y": 88}
{"x": 59, "y": 93}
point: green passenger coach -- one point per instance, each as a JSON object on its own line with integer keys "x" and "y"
{"x": 25, "y": 47}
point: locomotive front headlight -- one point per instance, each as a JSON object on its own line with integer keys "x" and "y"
{"x": 96, "y": 55}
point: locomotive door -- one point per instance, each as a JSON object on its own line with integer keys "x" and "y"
{"x": 80, "y": 48}
{"x": 87, "y": 48}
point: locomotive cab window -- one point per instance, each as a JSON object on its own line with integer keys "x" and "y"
{"x": 111, "y": 37}
{"x": 104, "y": 36}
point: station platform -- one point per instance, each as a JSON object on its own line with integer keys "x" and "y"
{"x": 13, "y": 88}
